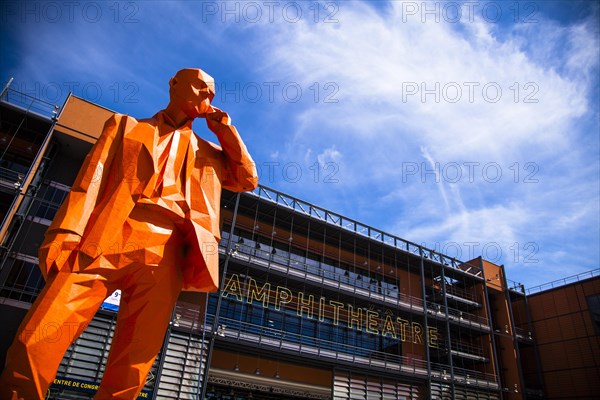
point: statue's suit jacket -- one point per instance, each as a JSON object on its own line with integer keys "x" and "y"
{"x": 122, "y": 171}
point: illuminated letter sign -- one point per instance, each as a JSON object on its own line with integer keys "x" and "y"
{"x": 353, "y": 317}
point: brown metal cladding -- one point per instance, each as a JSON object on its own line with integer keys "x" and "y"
{"x": 568, "y": 346}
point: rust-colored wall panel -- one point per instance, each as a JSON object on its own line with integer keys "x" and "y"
{"x": 578, "y": 324}
{"x": 558, "y": 382}
{"x": 573, "y": 354}
{"x": 82, "y": 119}
{"x": 581, "y": 296}
{"x": 553, "y": 333}
{"x": 589, "y": 326}
{"x": 595, "y": 348}
{"x": 588, "y": 352}
{"x": 568, "y": 346}
{"x": 593, "y": 380}
{"x": 547, "y": 308}
{"x": 570, "y": 297}
{"x": 553, "y": 356}
{"x": 561, "y": 303}
{"x": 493, "y": 275}
{"x": 591, "y": 287}
{"x": 541, "y": 332}
{"x": 567, "y": 330}
{"x": 287, "y": 371}
{"x": 519, "y": 313}
{"x": 579, "y": 382}
{"x": 534, "y": 306}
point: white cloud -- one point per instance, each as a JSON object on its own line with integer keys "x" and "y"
{"x": 329, "y": 155}
{"x": 376, "y": 131}
{"x": 378, "y": 61}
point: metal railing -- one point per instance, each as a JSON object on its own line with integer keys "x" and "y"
{"x": 460, "y": 292}
{"x": 354, "y": 226}
{"x": 326, "y": 277}
{"x": 340, "y": 281}
{"x": 561, "y": 282}
{"x": 466, "y": 376}
{"x": 259, "y": 335}
{"x": 467, "y": 348}
{"x": 24, "y": 280}
{"x": 457, "y": 315}
{"x": 523, "y": 333}
{"x": 457, "y": 293}
{"x": 29, "y": 103}
{"x": 515, "y": 286}
{"x": 10, "y": 178}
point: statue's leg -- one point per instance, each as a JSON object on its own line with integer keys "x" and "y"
{"x": 144, "y": 315}
{"x": 61, "y": 312}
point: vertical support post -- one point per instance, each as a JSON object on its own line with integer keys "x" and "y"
{"x": 219, "y": 300}
{"x": 449, "y": 341}
{"x": 492, "y": 333}
{"x": 512, "y": 326}
{"x": 425, "y": 327}
{"x": 6, "y": 86}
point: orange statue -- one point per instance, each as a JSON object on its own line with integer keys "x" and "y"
{"x": 143, "y": 217}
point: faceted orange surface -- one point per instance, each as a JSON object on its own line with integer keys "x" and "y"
{"x": 143, "y": 217}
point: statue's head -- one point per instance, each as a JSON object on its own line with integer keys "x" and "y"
{"x": 192, "y": 90}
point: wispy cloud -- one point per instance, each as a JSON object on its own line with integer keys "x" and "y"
{"x": 451, "y": 132}
{"x": 482, "y": 128}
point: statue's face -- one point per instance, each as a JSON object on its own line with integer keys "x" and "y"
{"x": 192, "y": 91}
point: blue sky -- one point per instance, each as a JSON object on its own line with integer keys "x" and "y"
{"x": 469, "y": 127}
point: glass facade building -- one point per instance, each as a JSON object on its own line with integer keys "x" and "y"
{"x": 311, "y": 304}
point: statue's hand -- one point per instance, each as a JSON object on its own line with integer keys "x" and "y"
{"x": 56, "y": 250}
{"x": 216, "y": 119}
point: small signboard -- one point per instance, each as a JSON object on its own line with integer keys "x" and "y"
{"x": 112, "y": 301}
{"x": 87, "y": 386}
